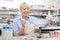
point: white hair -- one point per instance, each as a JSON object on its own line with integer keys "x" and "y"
{"x": 24, "y": 3}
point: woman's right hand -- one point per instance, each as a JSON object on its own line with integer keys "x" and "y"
{"x": 49, "y": 17}
{"x": 23, "y": 22}
{"x": 21, "y": 31}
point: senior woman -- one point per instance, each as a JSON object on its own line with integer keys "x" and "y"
{"x": 19, "y": 22}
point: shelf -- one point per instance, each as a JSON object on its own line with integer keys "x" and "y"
{"x": 37, "y": 15}
{"x": 42, "y": 9}
{"x": 8, "y": 9}
{"x": 40, "y": 12}
{"x": 8, "y": 13}
{"x": 45, "y": 28}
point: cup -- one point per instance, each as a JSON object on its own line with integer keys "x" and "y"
{"x": 29, "y": 29}
{"x": 51, "y": 33}
{"x": 55, "y": 33}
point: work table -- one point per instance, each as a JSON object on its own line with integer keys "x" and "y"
{"x": 17, "y": 38}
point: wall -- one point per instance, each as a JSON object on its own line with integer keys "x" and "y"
{"x": 16, "y": 3}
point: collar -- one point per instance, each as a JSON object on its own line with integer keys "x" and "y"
{"x": 25, "y": 18}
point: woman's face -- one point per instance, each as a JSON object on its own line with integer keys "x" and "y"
{"x": 25, "y": 11}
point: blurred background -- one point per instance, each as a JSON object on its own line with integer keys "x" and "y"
{"x": 9, "y": 9}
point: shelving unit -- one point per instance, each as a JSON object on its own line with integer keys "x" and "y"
{"x": 7, "y": 14}
{"x": 43, "y": 12}
{"x": 40, "y": 11}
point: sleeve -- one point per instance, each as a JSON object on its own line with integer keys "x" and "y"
{"x": 15, "y": 28}
{"x": 34, "y": 18}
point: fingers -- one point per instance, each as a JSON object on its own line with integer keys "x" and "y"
{"x": 49, "y": 17}
{"x": 23, "y": 22}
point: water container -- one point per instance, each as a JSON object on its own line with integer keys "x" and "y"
{"x": 7, "y": 32}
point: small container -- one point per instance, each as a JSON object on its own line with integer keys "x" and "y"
{"x": 59, "y": 34}
{"x": 55, "y": 34}
{"x": 51, "y": 34}
{"x": 29, "y": 29}
{"x": 7, "y": 32}
{"x": 39, "y": 36}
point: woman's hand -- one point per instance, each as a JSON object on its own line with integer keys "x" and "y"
{"x": 23, "y": 22}
{"x": 49, "y": 17}
{"x": 21, "y": 31}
